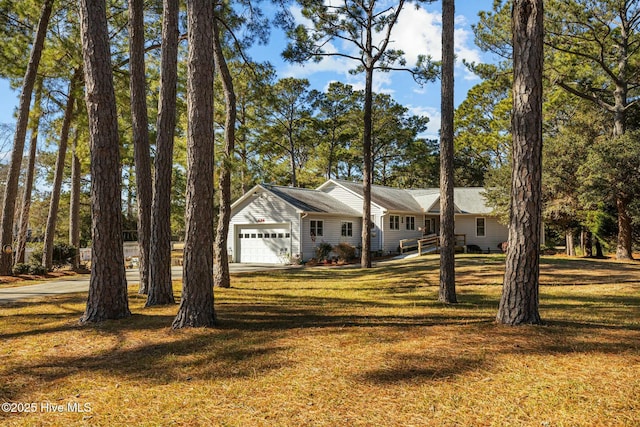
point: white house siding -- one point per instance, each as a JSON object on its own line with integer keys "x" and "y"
{"x": 392, "y": 237}
{"x": 355, "y": 202}
{"x": 264, "y": 210}
{"x": 350, "y": 199}
{"x": 332, "y": 227}
{"x": 495, "y": 232}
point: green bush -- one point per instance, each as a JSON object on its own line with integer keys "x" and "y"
{"x": 323, "y": 250}
{"x": 21, "y": 268}
{"x": 37, "y": 269}
{"x": 63, "y": 254}
{"x": 474, "y": 249}
{"x": 345, "y": 251}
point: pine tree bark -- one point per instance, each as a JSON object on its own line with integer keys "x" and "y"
{"x": 54, "y": 204}
{"x": 570, "y": 247}
{"x": 108, "y": 285}
{"x": 160, "y": 285}
{"x": 74, "y": 202}
{"x": 599, "y": 253}
{"x": 447, "y": 293}
{"x": 221, "y": 264}
{"x": 519, "y": 301}
{"x": 588, "y": 244}
{"x": 625, "y": 232}
{"x": 367, "y": 169}
{"x": 140, "y": 126}
{"x": 196, "y": 307}
{"x": 11, "y": 191}
{"x": 23, "y": 229}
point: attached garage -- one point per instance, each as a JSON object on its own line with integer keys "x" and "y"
{"x": 263, "y": 243}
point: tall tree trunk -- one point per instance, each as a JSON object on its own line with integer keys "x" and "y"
{"x": 624, "y": 244}
{"x": 74, "y": 202}
{"x": 570, "y": 247}
{"x": 140, "y": 125}
{"x": 221, "y": 277}
{"x": 599, "y": 253}
{"x": 367, "y": 169}
{"x": 196, "y": 307}
{"x": 588, "y": 244}
{"x": 52, "y": 217}
{"x": 292, "y": 160}
{"x": 625, "y": 241}
{"x": 519, "y": 302}
{"x": 11, "y": 191}
{"x": 23, "y": 229}
{"x": 160, "y": 286}
{"x": 447, "y": 292}
{"x": 108, "y": 285}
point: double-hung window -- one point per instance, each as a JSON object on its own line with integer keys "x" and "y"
{"x": 394, "y": 222}
{"x": 410, "y": 222}
{"x": 317, "y": 228}
{"x": 346, "y": 229}
{"x": 480, "y": 227}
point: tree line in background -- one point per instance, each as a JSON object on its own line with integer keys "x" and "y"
{"x": 286, "y": 133}
{"x": 591, "y": 159}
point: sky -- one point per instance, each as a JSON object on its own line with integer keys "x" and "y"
{"x": 417, "y": 32}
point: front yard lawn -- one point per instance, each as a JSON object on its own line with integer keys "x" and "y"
{"x": 339, "y": 347}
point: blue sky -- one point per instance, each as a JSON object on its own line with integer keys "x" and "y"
{"x": 418, "y": 32}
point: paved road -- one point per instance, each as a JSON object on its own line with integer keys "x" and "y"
{"x": 80, "y": 283}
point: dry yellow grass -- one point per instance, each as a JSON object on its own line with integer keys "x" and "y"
{"x": 335, "y": 347}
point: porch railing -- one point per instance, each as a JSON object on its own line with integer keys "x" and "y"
{"x": 431, "y": 243}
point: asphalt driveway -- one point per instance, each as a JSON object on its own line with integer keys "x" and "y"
{"x": 80, "y": 283}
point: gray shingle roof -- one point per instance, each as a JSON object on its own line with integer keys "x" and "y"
{"x": 393, "y": 199}
{"x": 312, "y": 201}
{"x": 469, "y": 200}
{"x": 426, "y": 197}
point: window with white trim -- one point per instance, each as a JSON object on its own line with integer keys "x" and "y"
{"x": 394, "y": 222}
{"x": 317, "y": 228}
{"x": 480, "y": 227}
{"x": 346, "y": 229}
{"x": 410, "y": 222}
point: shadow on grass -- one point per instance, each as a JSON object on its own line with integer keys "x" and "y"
{"x": 252, "y": 320}
{"x": 412, "y": 368}
{"x": 203, "y": 355}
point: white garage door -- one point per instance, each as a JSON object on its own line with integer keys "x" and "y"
{"x": 267, "y": 244}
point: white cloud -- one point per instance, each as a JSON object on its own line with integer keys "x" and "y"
{"x": 433, "y": 127}
{"x": 329, "y": 64}
{"x": 419, "y": 32}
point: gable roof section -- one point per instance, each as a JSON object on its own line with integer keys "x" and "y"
{"x": 311, "y": 201}
{"x": 467, "y": 200}
{"x": 471, "y": 200}
{"x": 428, "y": 198}
{"x": 391, "y": 199}
{"x": 303, "y": 200}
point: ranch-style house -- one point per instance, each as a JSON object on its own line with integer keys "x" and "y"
{"x": 277, "y": 225}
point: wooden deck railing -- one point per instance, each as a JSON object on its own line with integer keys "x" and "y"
{"x": 431, "y": 243}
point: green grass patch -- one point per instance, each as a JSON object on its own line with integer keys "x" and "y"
{"x": 340, "y": 346}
